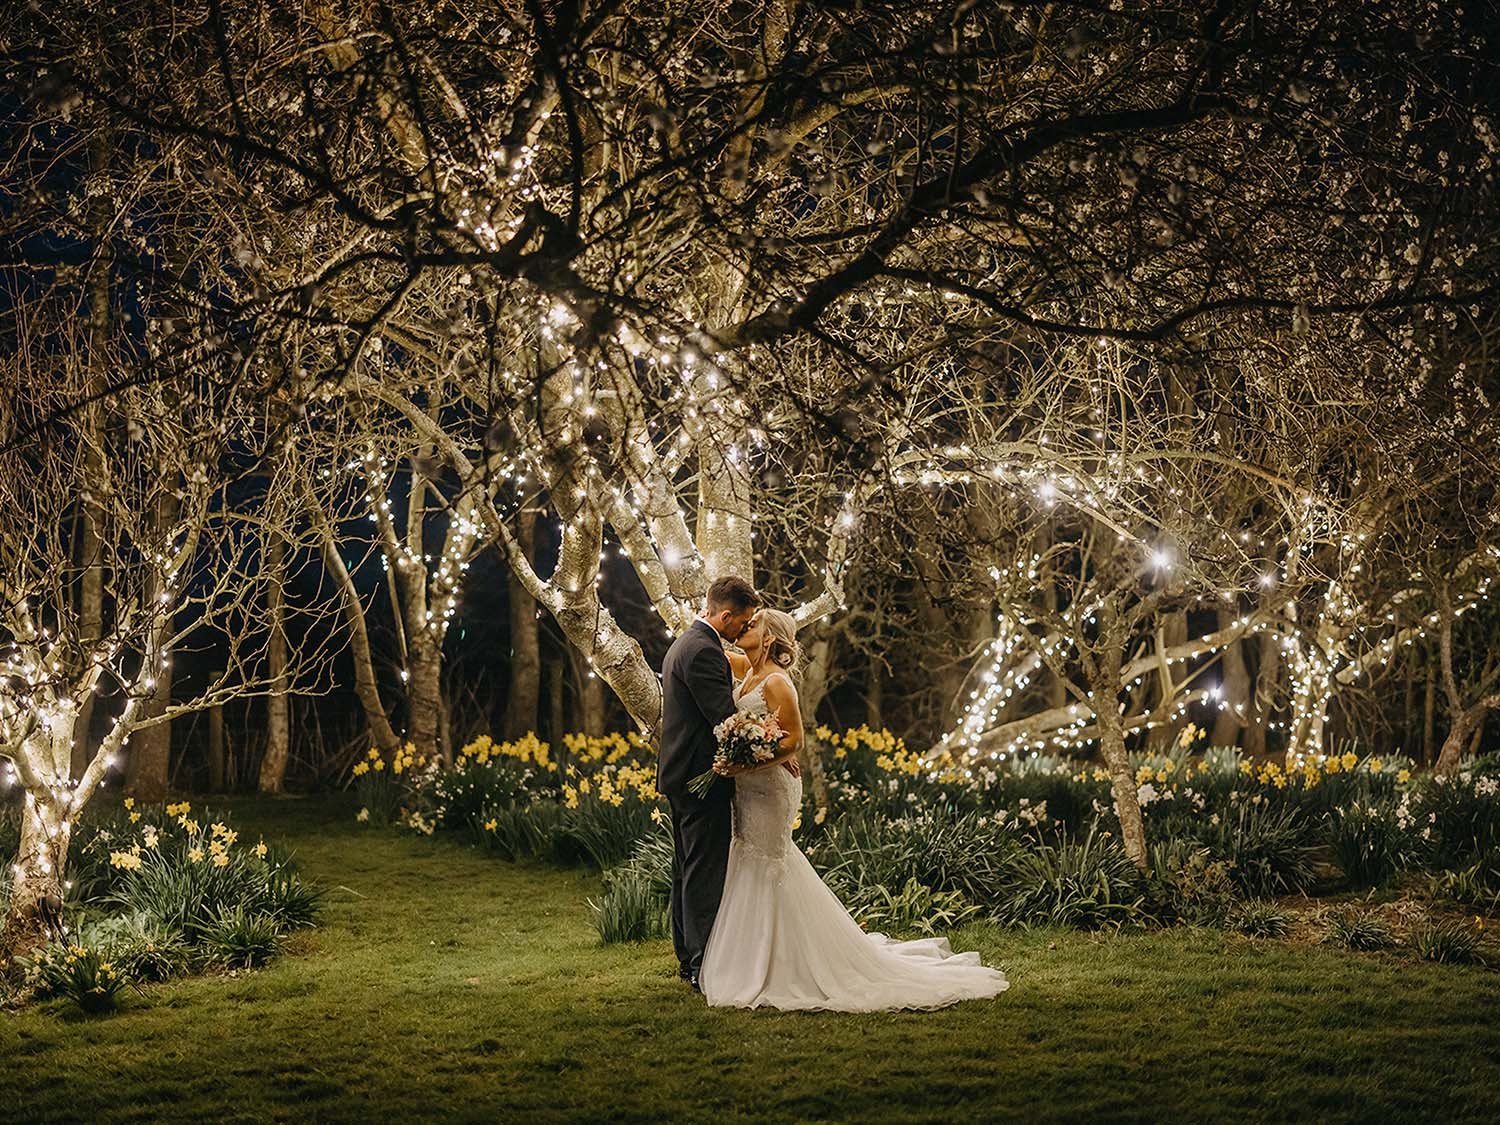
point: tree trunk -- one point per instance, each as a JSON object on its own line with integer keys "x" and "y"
{"x": 1409, "y": 710}
{"x": 278, "y": 702}
{"x": 1234, "y": 691}
{"x": 90, "y": 552}
{"x": 424, "y": 694}
{"x": 589, "y": 697}
{"x": 146, "y": 775}
{"x": 1108, "y": 655}
{"x": 1429, "y": 712}
{"x": 366, "y": 686}
{"x": 874, "y": 709}
{"x": 1173, "y": 630}
{"x": 1461, "y": 720}
{"x": 216, "y": 759}
{"x": 817, "y": 659}
{"x": 1462, "y": 727}
{"x": 525, "y": 689}
{"x": 36, "y": 879}
{"x": 148, "y": 772}
{"x": 817, "y": 664}
{"x": 557, "y": 724}
{"x": 1263, "y": 705}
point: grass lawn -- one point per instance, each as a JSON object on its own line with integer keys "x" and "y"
{"x": 444, "y": 985}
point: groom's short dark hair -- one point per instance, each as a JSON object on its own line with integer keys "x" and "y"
{"x": 731, "y": 592}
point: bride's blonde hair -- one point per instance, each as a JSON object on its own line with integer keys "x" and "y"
{"x": 781, "y": 639}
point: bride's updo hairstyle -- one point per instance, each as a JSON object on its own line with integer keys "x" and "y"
{"x": 781, "y": 639}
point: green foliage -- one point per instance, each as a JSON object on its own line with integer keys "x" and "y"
{"x": 454, "y": 797}
{"x": 381, "y": 784}
{"x": 637, "y": 893}
{"x": 1476, "y": 886}
{"x": 1260, "y": 919}
{"x": 1357, "y": 929}
{"x": 629, "y": 910}
{"x": 516, "y": 832}
{"x": 605, "y": 833}
{"x": 80, "y": 973}
{"x": 651, "y": 861}
{"x": 1085, "y": 884}
{"x": 175, "y": 894}
{"x": 1455, "y": 819}
{"x": 184, "y": 894}
{"x": 241, "y": 938}
{"x": 141, "y": 947}
{"x": 1449, "y": 941}
{"x": 1187, "y": 884}
{"x": 1267, "y": 847}
{"x": 1369, "y": 841}
{"x": 969, "y": 854}
{"x": 913, "y": 909}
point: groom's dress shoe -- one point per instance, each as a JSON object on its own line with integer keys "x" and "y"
{"x": 696, "y": 987}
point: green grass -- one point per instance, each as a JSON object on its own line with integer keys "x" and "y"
{"x": 445, "y": 985}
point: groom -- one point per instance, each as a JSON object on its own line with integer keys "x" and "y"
{"x": 697, "y": 694}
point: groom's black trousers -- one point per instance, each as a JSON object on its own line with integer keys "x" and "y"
{"x": 700, "y": 844}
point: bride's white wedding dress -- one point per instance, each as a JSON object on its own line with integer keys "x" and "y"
{"x": 782, "y": 939}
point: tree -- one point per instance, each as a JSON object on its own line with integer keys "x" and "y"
{"x": 629, "y": 235}
{"x": 165, "y": 584}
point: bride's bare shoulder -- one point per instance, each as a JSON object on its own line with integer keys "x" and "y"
{"x": 779, "y": 683}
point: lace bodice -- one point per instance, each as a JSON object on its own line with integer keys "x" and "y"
{"x": 767, "y": 801}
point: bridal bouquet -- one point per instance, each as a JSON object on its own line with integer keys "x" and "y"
{"x": 746, "y": 738}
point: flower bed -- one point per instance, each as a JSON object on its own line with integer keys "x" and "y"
{"x": 912, "y": 845}
{"x": 163, "y": 891}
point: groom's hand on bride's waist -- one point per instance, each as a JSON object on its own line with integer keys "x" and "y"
{"x": 793, "y": 767}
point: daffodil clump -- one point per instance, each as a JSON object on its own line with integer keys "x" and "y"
{"x": 484, "y": 775}
{"x": 588, "y": 752}
{"x": 612, "y": 785}
{"x": 875, "y": 769}
{"x": 382, "y": 785}
{"x": 587, "y": 799}
{"x": 80, "y": 973}
{"x": 159, "y": 890}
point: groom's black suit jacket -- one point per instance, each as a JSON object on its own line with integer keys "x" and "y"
{"x": 697, "y": 689}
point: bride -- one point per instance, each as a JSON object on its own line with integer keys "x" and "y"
{"x": 782, "y": 939}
